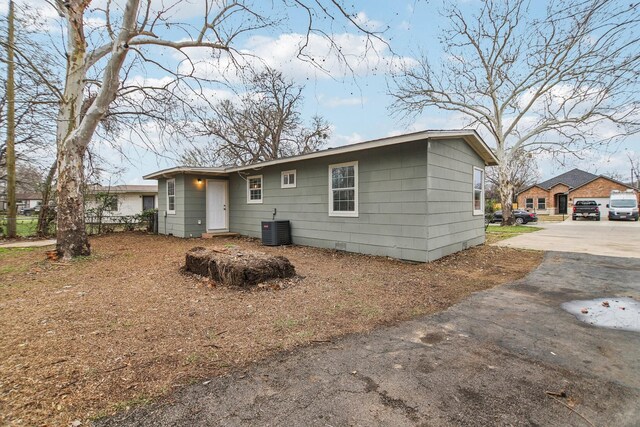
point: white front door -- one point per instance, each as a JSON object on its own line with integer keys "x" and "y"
{"x": 217, "y": 204}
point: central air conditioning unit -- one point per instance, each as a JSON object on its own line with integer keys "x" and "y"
{"x": 276, "y": 233}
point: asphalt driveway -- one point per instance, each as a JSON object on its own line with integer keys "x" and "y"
{"x": 487, "y": 361}
{"x": 608, "y": 238}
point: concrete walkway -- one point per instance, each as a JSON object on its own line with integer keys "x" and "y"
{"x": 607, "y": 238}
{"x": 28, "y": 243}
{"x": 488, "y": 360}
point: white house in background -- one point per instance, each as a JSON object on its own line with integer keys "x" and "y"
{"x": 23, "y": 201}
{"x": 28, "y": 201}
{"x": 125, "y": 200}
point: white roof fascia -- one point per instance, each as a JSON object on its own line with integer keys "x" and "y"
{"x": 470, "y": 136}
{"x": 167, "y": 173}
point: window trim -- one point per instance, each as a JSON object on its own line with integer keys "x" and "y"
{"x": 350, "y": 214}
{"x": 526, "y": 203}
{"x": 473, "y": 191}
{"x": 256, "y": 201}
{"x": 287, "y": 173}
{"x": 545, "y": 203}
{"x": 171, "y": 212}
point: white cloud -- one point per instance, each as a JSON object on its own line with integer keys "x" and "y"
{"x": 338, "y": 140}
{"x": 341, "y": 56}
{"x": 435, "y": 121}
{"x": 363, "y": 21}
{"x": 94, "y": 22}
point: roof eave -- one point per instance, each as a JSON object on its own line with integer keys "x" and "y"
{"x": 470, "y": 136}
{"x": 171, "y": 172}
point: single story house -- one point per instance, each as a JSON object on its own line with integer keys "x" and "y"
{"x": 23, "y": 201}
{"x": 418, "y": 196}
{"x": 122, "y": 200}
{"x": 558, "y": 194}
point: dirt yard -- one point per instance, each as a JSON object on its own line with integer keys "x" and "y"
{"x": 81, "y": 340}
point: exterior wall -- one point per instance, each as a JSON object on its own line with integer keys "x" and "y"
{"x": 598, "y": 188}
{"x": 451, "y": 225}
{"x": 24, "y": 203}
{"x": 162, "y": 207}
{"x": 392, "y": 193}
{"x": 558, "y": 188}
{"x": 189, "y": 204}
{"x": 415, "y": 202}
{"x": 535, "y": 193}
{"x": 32, "y": 203}
{"x": 128, "y": 204}
{"x": 194, "y": 206}
{"x": 553, "y": 196}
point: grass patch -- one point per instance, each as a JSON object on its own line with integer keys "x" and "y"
{"x": 25, "y": 226}
{"x": 552, "y": 218}
{"x": 9, "y": 251}
{"x": 497, "y": 233}
{"x": 517, "y": 229}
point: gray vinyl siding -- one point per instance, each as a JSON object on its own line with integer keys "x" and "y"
{"x": 451, "y": 223}
{"x": 194, "y": 206}
{"x": 189, "y": 204}
{"x": 392, "y": 196}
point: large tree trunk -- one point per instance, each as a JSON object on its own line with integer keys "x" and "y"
{"x": 72, "y": 235}
{"x": 75, "y": 132}
{"x": 506, "y": 193}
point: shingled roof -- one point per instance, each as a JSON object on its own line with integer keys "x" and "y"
{"x": 574, "y": 178}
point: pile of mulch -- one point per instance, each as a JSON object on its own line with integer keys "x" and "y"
{"x": 232, "y": 266}
{"x": 86, "y": 338}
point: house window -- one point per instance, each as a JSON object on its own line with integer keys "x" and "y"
{"x": 288, "y": 179}
{"x": 478, "y": 191}
{"x": 343, "y": 189}
{"x": 171, "y": 196}
{"x": 254, "y": 189}
{"x": 542, "y": 203}
{"x": 528, "y": 203}
{"x": 111, "y": 203}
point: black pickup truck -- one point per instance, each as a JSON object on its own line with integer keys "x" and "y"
{"x": 586, "y": 209}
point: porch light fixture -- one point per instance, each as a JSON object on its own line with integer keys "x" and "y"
{"x": 199, "y": 180}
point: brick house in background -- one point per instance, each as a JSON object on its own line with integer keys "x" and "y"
{"x": 558, "y": 194}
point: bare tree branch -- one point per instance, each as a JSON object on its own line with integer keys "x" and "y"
{"x": 559, "y": 83}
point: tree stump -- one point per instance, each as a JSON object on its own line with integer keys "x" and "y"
{"x": 237, "y": 268}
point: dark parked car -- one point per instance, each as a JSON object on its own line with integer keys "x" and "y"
{"x": 522, "y": 217}
{"x": 30, "y": 211}
{"x": 586, "y": 209}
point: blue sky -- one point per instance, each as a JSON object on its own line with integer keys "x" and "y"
{"x": 355, "y": 104}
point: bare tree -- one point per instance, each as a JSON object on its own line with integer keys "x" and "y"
{"x": 523, "y": 172}
{"x": 36, "y": 84}
{"x": 98, "y": 62}
{"x": 559, "y": 81}
{"x": 634, "y": 160}
{"x": 264, "y": 124}
{"x": 11, "y": 127}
